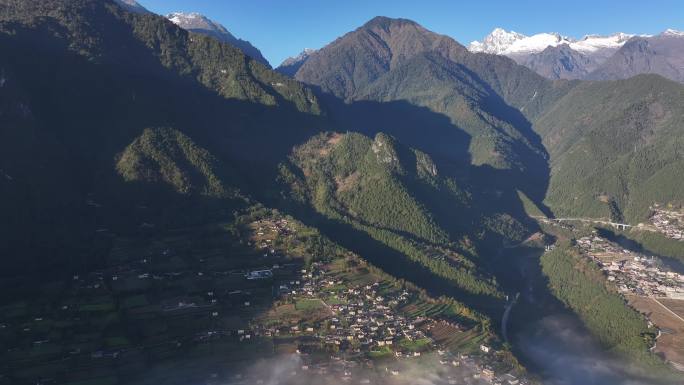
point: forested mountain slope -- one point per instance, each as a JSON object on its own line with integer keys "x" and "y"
{"x": 616, "y": 148}
{"x": 195, "y": 22}
{"x": 662, "y": 54}
{"x": 397, "y": 196}
{"x": 478, "y": 105}
{"x": 84, "y": 81}
{"x": 138, "y": 123}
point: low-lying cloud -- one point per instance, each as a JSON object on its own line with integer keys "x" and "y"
{"x": 567, "y": 355}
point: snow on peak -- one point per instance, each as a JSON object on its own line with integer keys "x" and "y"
{"x": 195, "y": 21}
{"x": 180, "y": 18}
{"x": 502, "y": 42}
{"x": 299, "y": 58}
{"x": 592, "y": 43}
{"x": 496, "y": 42}
{"x": 537, "y": 43}
{"x": 673, "y": 32}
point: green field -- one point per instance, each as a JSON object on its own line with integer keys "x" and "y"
{"x": 308, "y": 305}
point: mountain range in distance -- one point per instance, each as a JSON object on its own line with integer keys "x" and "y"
{"x": 291, "y": 65}
{"x": 594, "y": 57}
{"x": 552, "y": 55}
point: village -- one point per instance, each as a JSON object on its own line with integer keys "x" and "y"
{"x": 264, "y": 296}
{"x": 632, "y": 272}
{"x": 347, "y": 328}
{"x": 365, "y": 326}
{"x": 669, "y": 223}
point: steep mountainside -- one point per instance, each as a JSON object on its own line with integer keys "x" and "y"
{"x": 559, "y": 62}
{"x": 207, "y": 130}
{"x": 397, "y": 197}
{"x": 60, "y": 143}
{"x": 616, "y": 148}
{"x": 662, "y": 54}
{"x": 195, "y": 22}
{"x": 358, "y": 58}
{"x": 473, "y": 102}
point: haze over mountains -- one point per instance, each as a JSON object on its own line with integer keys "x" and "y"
{"x": 398, "y": 150}
{"x": 558, "y": 57}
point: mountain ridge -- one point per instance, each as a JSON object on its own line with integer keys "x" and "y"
{"x": 594, "y": 57}
{"x": 502, "y": 42}
{"x": 291, "y": 65}
{"x": 199, "y": 23}
{"x": 661, "y": 54}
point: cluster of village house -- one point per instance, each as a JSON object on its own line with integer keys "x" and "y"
{"x": 138, "y": 276}
{"x": 632, "y": 273}
{"x": 268, "y": 230}
{"x": 361, "y": 315}
{"x": 669, "y": 223}
{"x": 362, "y": 321}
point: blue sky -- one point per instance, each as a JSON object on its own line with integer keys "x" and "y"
{"x": 283, "y": 28}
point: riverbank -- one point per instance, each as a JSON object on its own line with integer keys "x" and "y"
{"x": 548, "y": 338}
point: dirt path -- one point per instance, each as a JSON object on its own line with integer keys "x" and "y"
{"x": 668, "y": 309}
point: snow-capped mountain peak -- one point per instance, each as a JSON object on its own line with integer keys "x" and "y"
{"x": 291, "y": 65}
{"x": 592, "y": 43}
{"x": 496, "y": 42}
{"x": 194, "y": 21}
{"x": 199, "y": 23}
{"x": 537, "y": 43}
{"x": 299, "y": 58}
{"x": 673, "y": 32}
{"x": 502, "y": 42}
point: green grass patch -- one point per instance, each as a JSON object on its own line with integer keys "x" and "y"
{"x": 309, "y": 305}
{"x": 380, "y": 352}
{"x": 415, "y": 345}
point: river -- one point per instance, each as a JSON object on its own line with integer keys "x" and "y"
{"x": 548, "y": 339}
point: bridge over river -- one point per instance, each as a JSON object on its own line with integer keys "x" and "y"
{"x": 619, "y": 226}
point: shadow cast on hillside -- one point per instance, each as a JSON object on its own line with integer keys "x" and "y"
{"x": 495, "y": 190}
{"x": 93, "y": 109}
{"x": 88, "y": 111}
